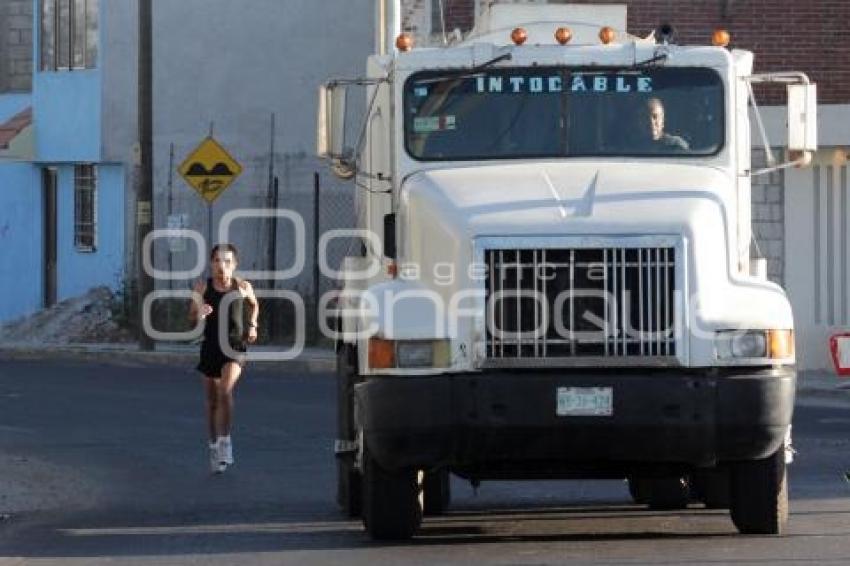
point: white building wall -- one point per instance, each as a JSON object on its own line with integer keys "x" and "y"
{"x": 818, "y": 253}
{"x": 228, "y": 66}
{"x": 816, "y": 243}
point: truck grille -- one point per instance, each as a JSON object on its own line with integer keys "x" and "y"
{"x": 553, "y": 307}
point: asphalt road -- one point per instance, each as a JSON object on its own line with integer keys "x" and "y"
{"x": 107, "y": 464}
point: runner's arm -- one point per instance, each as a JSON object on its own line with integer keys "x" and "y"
{"x": 197, "y": 301}
{"x": 253, "y": 304}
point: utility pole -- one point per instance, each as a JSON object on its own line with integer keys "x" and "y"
{"x": 144, "y": 177}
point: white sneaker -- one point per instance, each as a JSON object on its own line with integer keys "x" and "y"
{"x": 214, "y": 458}
{"x": 225, "y": 450}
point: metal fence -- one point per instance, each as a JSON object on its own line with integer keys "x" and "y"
{"x": 273, "y": 195}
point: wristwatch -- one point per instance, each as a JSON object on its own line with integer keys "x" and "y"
{"x": 252, "y": 325}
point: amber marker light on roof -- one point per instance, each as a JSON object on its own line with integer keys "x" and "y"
{"x": 404, "y": 42}
{"x": 720, "y": 38}
{"x": 519, "y": 36}
{"x": 607, "y": 35}
{"x": 563, "y": 35}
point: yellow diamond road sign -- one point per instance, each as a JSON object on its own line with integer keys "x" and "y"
{"x": 210, "y": 169}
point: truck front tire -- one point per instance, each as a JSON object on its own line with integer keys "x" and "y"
{"x": 759, "y": 504}
{"x": 392, "y": 502}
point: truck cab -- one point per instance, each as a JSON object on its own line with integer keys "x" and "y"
{"x": 555, "y": 277}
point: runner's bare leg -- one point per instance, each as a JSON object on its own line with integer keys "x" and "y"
{"x": 229, "y": 376}
{"x": 211, "y": 396}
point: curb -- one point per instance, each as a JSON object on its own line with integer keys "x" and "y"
{"x": 822, "y": 383}
{"x": 187, "y": 359}
{"x": 839, "y": 392}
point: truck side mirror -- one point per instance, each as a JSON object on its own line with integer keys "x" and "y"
{"x": 802, "y": 118}
{"x": 330, "y": 130}
{"x": 330, "y": 125}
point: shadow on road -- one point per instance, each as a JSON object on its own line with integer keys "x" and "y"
{"x": 89, "y": 535}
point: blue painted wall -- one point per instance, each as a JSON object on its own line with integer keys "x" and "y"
{"x": 22, "y": 233}
{"x": 80, "y": 271}
{"x": 11, "y": 104}
{"x": 66, "y": 108}
{"x": 21, "y": 237}
{"x": 67, "y": 116}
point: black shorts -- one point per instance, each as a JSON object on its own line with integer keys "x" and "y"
{"x": 213, "y": 359}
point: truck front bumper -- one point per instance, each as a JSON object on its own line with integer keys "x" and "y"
{"x": 508, "y": 421}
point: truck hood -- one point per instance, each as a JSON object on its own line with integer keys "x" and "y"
{"x": 443, "y": 213}
{"x": 561, "y": 198}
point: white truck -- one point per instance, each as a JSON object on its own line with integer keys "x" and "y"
{"x": 553, "y": 280}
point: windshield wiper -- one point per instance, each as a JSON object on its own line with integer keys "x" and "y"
{"x": 467, "y": 73}
{"x": 503, "y": 57}
{"x": 657, "y": 58}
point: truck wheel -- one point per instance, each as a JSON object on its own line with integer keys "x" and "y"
{"x": 711, "y": 486}
{"x": 348, "y": 485}
{"x": 759, "y": 504}
{"x": 437, "y": 491}
{"x": 392, "y": 506}
{"x": 668, "y": 493}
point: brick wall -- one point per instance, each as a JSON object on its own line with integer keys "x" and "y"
{"x": 768, "y": 213}
{"x": 415, "y": 17}
{"x": 806, "y": 36}
{"x": 458, "y": 13}
{"x": 15, "y": 45}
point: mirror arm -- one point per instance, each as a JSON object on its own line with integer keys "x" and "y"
{"x": 363, "y": 127}
{"x": 804, "y": 159}
{"x": 356, "y": 82}
{"x": 768, "y": 152}
{"x": 787, "y": 78}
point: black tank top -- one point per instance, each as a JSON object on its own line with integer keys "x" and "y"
{"x": 235, "y": 325}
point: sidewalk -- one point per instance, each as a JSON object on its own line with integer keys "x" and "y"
{"x": 311, "y": 359}
{"x": 823, "y": 383}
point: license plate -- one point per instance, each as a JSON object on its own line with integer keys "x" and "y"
{"x": 585, "y": 402}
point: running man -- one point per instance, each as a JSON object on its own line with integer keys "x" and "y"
{"x": 221, "y": 372}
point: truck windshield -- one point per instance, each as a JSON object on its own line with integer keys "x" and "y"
{"x": 560, "y": 112}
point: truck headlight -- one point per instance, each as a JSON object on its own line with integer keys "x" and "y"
{"x": 763, "y": 344}
{"x": 415, "y": 354}
{"x": 409, "y": 354}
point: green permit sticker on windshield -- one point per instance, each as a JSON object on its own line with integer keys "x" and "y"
{"x": 429, "y": 124}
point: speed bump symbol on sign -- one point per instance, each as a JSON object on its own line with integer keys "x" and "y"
{"x": 210, "y": 170}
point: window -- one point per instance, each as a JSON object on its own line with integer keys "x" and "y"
{"x": 85, "y": 208}
{"x": 68, "y": 34}
{"x": 556, "y": 112}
